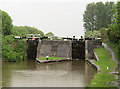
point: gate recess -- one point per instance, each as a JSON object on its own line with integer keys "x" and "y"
{"x": 78, "y": 50}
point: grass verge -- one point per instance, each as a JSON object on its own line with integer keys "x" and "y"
{"x": 104, "y": 78}
{"x": 114, "y": 47}
{"x": 51, "y": 58}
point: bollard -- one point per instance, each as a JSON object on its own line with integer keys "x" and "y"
{"x": 47, "y": 57}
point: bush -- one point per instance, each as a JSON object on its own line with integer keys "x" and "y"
{"x": 12, "y": 50}
{"x": 49, "y": 34}
{"x": 93, "y": 34}
{"x": 113, "y": 34}
{"x": 104, "y": 35}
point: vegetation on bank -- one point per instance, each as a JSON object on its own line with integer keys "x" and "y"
{"x": 99, "y": 24}
{"x": 51, "y": 58}
{"x": 109, "y": 31}
{"x": 115, "y": 49}
{"x": 104, "y": 78}
{"x": 15, "y": 49}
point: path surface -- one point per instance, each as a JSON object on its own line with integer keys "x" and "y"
{"x": 112, "y": 53}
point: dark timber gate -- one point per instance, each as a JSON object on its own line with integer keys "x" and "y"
{"x": 78, "y": 50}
{"x": 32, "y": 48}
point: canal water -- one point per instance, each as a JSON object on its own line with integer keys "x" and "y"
{"x": 58, "y": 74}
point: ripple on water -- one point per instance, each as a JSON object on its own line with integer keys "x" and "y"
{"x": 47, "y": 73}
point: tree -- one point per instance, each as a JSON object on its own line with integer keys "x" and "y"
{"x": 109, "y": 6}
{"x": 22, "y": 30}
{"x": 0, "y": 21}
{"x": 6, "y": 24}
{"x": 114, "y": 31}
{"x": 93, "y": 34}
{"x": 100, "y": 15}
{"x": 0, "y": 33}
{"x": 49, "y": 34}
{"x": 104, "y": 35}
{"x": 97, "y": 15}
{"x": 89, "y": 17}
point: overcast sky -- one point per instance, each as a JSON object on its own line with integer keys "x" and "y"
{"x": 62, "y": 17}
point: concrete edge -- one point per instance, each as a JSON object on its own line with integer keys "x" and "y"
{"x": 95, "y": 55}
{"x": 49, "y": 61}
{"x": 91, "y": 62}
{"x": 98, "y": 68}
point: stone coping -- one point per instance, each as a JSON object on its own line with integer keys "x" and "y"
{"x": 48, "y": 61}
{"x": 91, "y": 61}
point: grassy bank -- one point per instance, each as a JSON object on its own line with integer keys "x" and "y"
{"x": 115, "y": 49}
{"x": 51, "y": 58}
{"x": 104, "y": 78}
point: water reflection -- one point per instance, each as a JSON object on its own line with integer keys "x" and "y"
{"x": 58, "y": 74}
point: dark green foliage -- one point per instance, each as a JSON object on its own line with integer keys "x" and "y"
{"x": 104, "y": 35}
{"x": 93, "y": 34}
{"x": 109, "y": 6}
{"x": 89, "y": 17}
{"x": 6, "y": 24}
{"x": 22, "y": 30}
{"x": 98, "y": 15}
{"x": 0, "y": 21}
{"x": 119, "y": 51}
{"x": 0, "y": 33}
{"x": 13, "y": 50}
{"x": 114, "y": 31}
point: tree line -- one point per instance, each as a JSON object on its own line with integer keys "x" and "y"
{"x": 98, "y": 15}
{"x": 103, "y": 20}
{"x": 12, "y": 49}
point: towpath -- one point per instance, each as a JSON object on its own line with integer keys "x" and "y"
{"x": 112, "y": 53}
